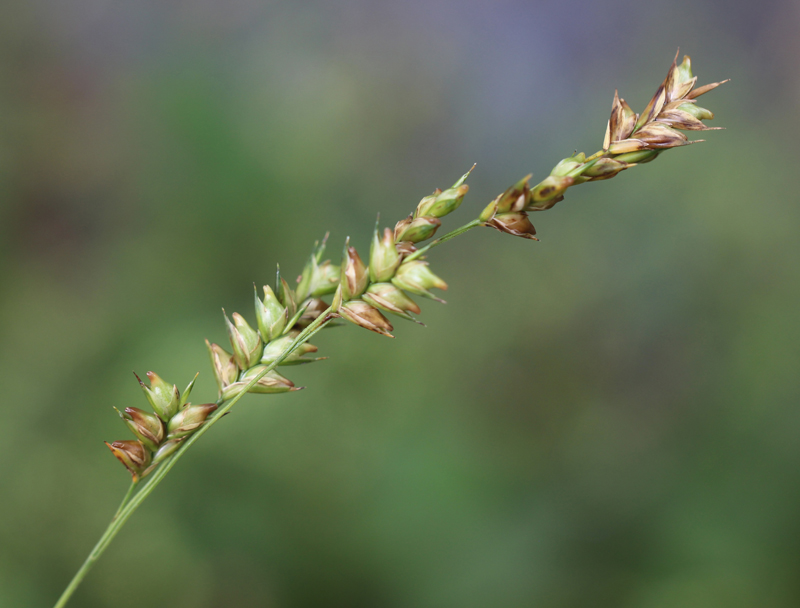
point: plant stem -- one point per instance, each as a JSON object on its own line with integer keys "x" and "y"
{"x": 132, "y": 501}
{"x": 125, "y": 500}
{"x": 446, "y": 237}
{"x": 96, "y": 552}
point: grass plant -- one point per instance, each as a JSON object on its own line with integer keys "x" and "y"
{"x": 286, "y": 317}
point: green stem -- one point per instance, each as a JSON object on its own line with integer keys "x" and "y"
{"x": 96, "y": 552}
{"x": 125, "y": 500}
{"x": 446, "y": 237}
{"x": 132, "y": 501}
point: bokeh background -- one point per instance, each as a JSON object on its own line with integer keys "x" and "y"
{"x": 607, "y": 418}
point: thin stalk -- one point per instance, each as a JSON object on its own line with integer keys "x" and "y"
{"x": 95, "y": 553}
{"x": 125, "y": 500}
{"x": 450, "y": 235}
{"x": 132, "y": 501}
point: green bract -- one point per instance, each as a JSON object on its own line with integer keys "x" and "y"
{"x": 245, "y": 341}
{"x": 271, "y": 315}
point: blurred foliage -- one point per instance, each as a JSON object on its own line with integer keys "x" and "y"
{"x": 605, "y": 418}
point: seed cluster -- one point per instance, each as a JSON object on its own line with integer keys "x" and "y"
{"x": 359, "y": 292}
{"x": 158, "y": 434}
{"x": 396, "y": 271}
{"x": 630, "y": 139}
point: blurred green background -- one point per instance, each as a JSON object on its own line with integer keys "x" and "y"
{"x": 608, "y": 418}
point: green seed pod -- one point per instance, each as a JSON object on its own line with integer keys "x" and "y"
{"x": 605, "y": 168}
{"x": 383, "y": 256}
{"x": 270, "y": 315}
{"x": 272, "y": 382}
{"x": 548, "y": 192}
{"x": 420, "y": 229}
{"x": 273, "y": 350}
{"x": 132, "y": 454}
{"x": 696, "y": 111}
{"x": 189, "y": 419}
{"x": 147, "y": 427}
{"x": 489, "y": 211}
{"x": 354, "y": 276}
{"x": 317, "y": 279}
{"x": 515, "y": 223}
{"x": 416, "y": 277}
{"x": 685, "y": 69}
{"x": 245, "y": 341}
{"x": 566, "y": 165}
{"x": 163, "y": 397}
{"x": 391, "y": 299}
{"x": 639, "y": 158}
{"x": 515, "y": 198}
{"x": 426, "y": 203}
{"x": 366, "y": 316}
{"x": 448, "y": 201}
{"x": 400, "y": 226}
{"x": 441, "y": 203}
{"x": 168, "y": 448}
{"x": 225, "y": 369}
{"x": 325, "y": 280}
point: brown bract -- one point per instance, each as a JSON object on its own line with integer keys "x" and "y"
{"x": 515, "y": 223}
{"x": 366, "y": 316}
{"x": 132, "y": 454}
{"x": 670, "y": 111}
{"x": 355, "y": 277}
